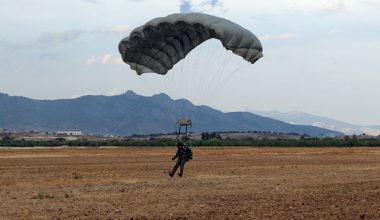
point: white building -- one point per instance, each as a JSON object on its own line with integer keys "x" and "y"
{"x": 69, "y": 133}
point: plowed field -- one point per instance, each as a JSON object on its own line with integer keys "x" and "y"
{"x": 220, "y": 183}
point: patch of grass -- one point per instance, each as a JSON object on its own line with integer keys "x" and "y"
{"x": 66, "y": 195}
{"x": 77, "y": 176}
{"x": 123, "y": 189}
{"x": 43, "y": 195}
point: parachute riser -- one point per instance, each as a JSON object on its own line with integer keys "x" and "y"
{"x": 183, "y": 136}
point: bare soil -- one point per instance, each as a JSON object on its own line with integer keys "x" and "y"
{"x": 220, "y": 183}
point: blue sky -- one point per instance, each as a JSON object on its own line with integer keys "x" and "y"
{"x": 320, "y": 56}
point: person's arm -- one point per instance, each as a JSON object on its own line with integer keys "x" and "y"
{"x": 176, "y": 155}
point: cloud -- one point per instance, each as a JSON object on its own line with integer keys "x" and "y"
{"x": 372, "y": 2}
{"x": 115, "y": 91}
{"x": 118, "y": 61}
{"x": 60, "y": 37}
{"x": 72, "y": 35}
{"x": 92, "y": 1}
{"x": 287, "y": 36}
{"x": 185, "y": 7}
{"x": 117, "y": 29}
{"x": 112, "y": 92}
{"x": 106, "y": 59}
{"x": 215, "y": 3}
{"x": 51, "y": 55}
{"x": 331, "y": 32}
{"x": 83, "y": 94}
{"x": 91, "y": 61}
{"x": 3, "y": 42}
{"x": 109, "y": 59}
{"x": 328, "y": 6}
{"x": 9, "y": 45}
{"x": 19, "y": 69}
{"x": 284, "y": 36}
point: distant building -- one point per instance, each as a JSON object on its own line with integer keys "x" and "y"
{"x": 69, "y": 133}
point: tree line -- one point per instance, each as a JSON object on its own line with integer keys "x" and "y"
{"x": 214, "y": 141}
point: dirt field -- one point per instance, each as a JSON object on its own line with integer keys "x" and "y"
{"x": 220, "y": 183}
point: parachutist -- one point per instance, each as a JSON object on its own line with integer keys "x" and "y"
{"x": 183, "y": 154}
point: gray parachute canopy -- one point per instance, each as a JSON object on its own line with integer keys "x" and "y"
{"x": 159, "y": 44}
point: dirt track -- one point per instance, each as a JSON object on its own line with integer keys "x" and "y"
{"x": 220, "y": 183}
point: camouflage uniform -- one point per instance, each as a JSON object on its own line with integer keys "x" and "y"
{"x": 181, "y": 155}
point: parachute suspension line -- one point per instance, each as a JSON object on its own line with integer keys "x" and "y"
{"x": 161, "y": 83}
{"x": 209, "y": 61}
{"x": 152, "y": 88}
{"x": 243, "y": 65}
{"x": 195, "y": 81}
{"x": 175, "y": 84}
{"x": 207, "y": 77}
{"x": 178, "y": 84}
{"x": 184, "y": 89}
{"x": 217, "y": 76}
{"x": 180, "y": 88}
{"x": 192, "y": 77}
{"x": 183, "y": 130}
{"x": 168, "y": 82}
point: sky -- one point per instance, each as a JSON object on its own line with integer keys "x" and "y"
{"x": 320, "y": 56}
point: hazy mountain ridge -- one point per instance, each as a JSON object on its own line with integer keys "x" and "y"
{"x": 302, "y": 118}
{"x": 130, "y": 113}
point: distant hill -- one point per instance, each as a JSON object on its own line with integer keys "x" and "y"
{"x": 375, "y": 126}
{"x": 301, "y": 118}
{"x": 130, "y": 113}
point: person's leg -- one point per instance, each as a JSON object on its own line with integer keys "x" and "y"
{"x": 181, "y": 166}
{"x": 175, "y": 167}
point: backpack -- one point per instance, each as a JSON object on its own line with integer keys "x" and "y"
{"x": 189, "y": 154}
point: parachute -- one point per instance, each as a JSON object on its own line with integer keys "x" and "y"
{"x": 162, "y": 42}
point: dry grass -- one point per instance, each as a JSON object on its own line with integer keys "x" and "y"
{"x": 220, "y": 183}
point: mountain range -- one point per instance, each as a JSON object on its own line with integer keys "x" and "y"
{"x": 302, "y": 118}
{"x": 130, "y": 113}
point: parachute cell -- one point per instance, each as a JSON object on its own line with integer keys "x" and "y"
{"x": 159, "y": 44}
